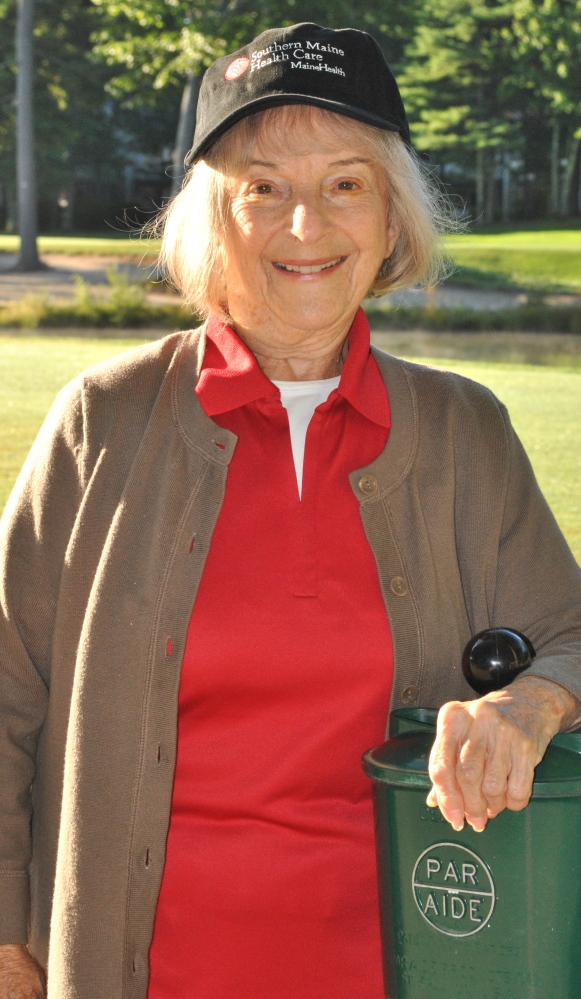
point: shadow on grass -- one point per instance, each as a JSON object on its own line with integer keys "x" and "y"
{"x": 473, "y": 277}
{"x": 533, "y": 317}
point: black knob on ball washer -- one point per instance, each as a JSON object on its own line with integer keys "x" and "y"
{"x": 495, "y": 657}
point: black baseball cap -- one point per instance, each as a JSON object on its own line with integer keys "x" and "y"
{"x": 343, "y": 71}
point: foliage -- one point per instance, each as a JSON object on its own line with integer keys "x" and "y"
{"x": 81, "y": 134}
{"x": 547, "y": 34}
{"x": 457, "y": 81}
{"x": 126, "y": 307}
{"x": 7, "y": 97}
{"x": 484, "y": 82}
{"x": 158, "y": 42}
{"x": 530, "y": 318}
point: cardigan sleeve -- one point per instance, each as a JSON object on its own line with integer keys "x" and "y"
{"x": 34, "y": 535}
{"x": 538, "y": 585}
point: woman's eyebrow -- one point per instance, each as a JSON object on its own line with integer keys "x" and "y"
{"x": 349, "y": 162}
{"x": 354, "y": 159}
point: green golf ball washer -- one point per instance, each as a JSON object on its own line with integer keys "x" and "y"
{"x": 492, "y": 915}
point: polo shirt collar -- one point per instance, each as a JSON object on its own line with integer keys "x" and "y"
{"x": 361, "y": 383}
{"x": 231, "y": 376}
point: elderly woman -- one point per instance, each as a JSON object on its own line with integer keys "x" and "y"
{"x": 231, "y": 551}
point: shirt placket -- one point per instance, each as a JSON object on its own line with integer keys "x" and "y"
{"x": 306, "y": 582}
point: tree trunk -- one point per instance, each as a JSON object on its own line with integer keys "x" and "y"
{"x": 10, "y": 223}
{"x": 28, "y": 259}
{"x": 506, "y": 187}
{"x": 185, "y": 132}
{"x": 555, "y": 168}
{"x": 572, "y": 149}
{"x": 490, "y": 189}
{"x": 480, "y": 183}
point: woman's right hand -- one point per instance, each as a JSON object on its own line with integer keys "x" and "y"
{"x": 20, "y": 975}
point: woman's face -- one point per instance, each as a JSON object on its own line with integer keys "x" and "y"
{"x": 307, "y": 238}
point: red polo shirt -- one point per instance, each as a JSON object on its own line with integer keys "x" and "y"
{"x": 269, "y": 888}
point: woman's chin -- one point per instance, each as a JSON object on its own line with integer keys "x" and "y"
{"x": 313, "y": 315}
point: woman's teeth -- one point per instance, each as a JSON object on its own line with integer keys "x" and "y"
{"x": 308, "y": 268}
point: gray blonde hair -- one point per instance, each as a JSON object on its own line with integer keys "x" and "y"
{"x": 192, "y": 226}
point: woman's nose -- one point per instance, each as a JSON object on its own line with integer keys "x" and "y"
{"x": 309, "y": 221}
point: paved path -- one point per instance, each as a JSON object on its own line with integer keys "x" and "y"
{"x": 58, "y": 280}
{"x": 451, "y": 296}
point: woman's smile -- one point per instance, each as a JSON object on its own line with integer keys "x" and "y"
{"x": 308, "y": 268}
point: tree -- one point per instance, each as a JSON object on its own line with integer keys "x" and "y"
{"x": 159, "y": 45}
{"x": 459, "y": 89}
{"x": 28, "y": 259}
{"x": 548, "y": 46}
{"x": 494, "y": 86}
{"x": 8, "y": 112}
{"x": 87, "y": 146}
{"x": 84, "y": 140}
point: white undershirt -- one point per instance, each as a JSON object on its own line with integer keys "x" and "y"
{"x": 300, "y": 399}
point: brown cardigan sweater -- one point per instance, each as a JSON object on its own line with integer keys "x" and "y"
{"x": 98, "y": 571}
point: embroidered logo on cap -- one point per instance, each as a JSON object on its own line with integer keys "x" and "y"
{"x": 299, "y": 55}
{"x": 237, "y": 68}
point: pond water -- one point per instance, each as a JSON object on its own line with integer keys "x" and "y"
{"x": 561, "y": 350}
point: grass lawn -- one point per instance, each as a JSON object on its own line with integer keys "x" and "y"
{"x": 544, "y": 402}
{"x": 544, "y": 259}
{"x": 33, "y": 369}
{"x": 98, "y": 246}
{"x": 545, "y": 408}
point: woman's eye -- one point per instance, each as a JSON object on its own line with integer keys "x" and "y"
{"x": 262, "y": 189}
{"x": 347, "y": 185}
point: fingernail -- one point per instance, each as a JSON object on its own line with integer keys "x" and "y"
{"x": 457, "y": 821}
{"x": 478, "y": 825}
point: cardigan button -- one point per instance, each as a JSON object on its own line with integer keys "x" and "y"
{"x": 399, "y": 586}
{"x": 368, "y": 484}
{"x": 410, "y": 694}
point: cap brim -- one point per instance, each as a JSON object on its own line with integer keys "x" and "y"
{"x": 279, "y": 100}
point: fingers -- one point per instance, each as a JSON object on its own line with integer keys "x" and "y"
{"x": 524, "y": 759}
{"x": 446, "y": 792}
{"x": 481, "y": 763}
{"x": 495, "y": 776}
{"x": 470, "y": 774}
